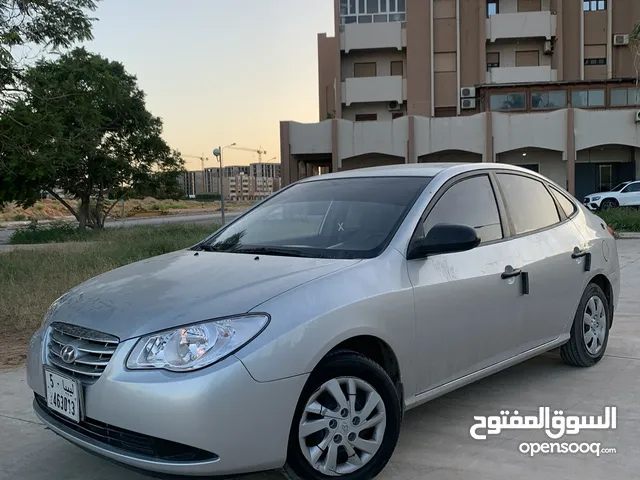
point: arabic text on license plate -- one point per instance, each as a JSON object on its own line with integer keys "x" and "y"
{"x": 63, "y": 395}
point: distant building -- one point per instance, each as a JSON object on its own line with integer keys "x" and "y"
{"x": 239, "y": 182}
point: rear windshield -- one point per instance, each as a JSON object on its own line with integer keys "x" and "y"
{"x": 337, "y": 218}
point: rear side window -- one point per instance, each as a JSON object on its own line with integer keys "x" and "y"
{"x": 567, "y": 205}
{"x": 470, "y": 202}
{"x": 528, "y": 202}
{"x": 632, "y": 187}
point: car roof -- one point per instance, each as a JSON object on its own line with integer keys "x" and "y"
{"x": 418, "y": 170}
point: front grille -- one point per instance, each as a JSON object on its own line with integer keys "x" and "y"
{"x": 128, "y": 441}
{"x": 93, "y": 351}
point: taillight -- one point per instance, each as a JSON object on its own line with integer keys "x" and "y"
{"x": 611, "y": 231}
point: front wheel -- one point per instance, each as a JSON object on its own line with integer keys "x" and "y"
{"x": 590, "y": 330}
{"x": 346, "y": 423}
{"x": 608, "y": 203}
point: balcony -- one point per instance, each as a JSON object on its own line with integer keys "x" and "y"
{"x": 374, "y": 89}
{"x": 360, "y": 36}
{"x": 522, "y": 74}
{"x": 521, "y": 25}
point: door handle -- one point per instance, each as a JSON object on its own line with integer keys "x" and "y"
{"x": 577, "y": 253}
{"x": 510, "y": 272}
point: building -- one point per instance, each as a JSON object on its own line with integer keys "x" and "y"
{"x": 547, "y": 84}
{"x": 244, "y": 183}
{"x": 192, "y": 183}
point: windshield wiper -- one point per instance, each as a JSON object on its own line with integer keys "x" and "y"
{"x": 283, "y": 252}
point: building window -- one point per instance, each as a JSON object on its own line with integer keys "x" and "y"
{"x": 595, "y": 61}
{"x": 606, "y": 182}
{"x": 548, "y": 100}
{"x": 366, "y": 117}
{"x": 397, "y": 68}
{"x": 508, "y": 101}
{"x": 622, "y": 97}
{"x": 493, "y": 60}
{"x": 367, "y": 69}
{"x": 587, "y": 98}
{"x": 528, "y": 58}
{"x": 492, "y": 7}
{"x": 594, "y": 5}
{"x": 372, "y": 11}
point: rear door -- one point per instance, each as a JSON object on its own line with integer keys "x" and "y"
{"x": 630, "y": 195}
{"x": 468, "y": 316}
{"x": 551, "y": 249}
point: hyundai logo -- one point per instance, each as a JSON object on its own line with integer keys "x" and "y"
{"x": 68, "y": 354}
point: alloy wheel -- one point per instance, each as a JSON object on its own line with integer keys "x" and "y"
{"x": 594, "y": 323}
{"x": 342, "y": 426}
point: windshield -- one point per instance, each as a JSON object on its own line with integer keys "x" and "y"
{"x": 338, "y": 218}
{"x": 617, "y": 188}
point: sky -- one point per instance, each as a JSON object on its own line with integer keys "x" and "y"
{"x": 219, "y": 71}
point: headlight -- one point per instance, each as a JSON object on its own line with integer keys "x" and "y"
{"x": 195, "y": 346}
{"x": 593, "y": 199}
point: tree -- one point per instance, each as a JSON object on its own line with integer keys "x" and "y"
{"x": 82, "y": 127}
{"x": 50, "y": 24}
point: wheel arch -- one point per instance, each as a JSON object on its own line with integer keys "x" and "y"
{"x": 375, "y": 349}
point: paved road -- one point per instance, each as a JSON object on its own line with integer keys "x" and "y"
{"x": 435, "y": 442}
{"x": 131, "y": 222}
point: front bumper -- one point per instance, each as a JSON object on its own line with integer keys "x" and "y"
{"x": 221, "y": 410}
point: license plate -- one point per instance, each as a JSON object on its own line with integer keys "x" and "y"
{"x": 63, "y": 395}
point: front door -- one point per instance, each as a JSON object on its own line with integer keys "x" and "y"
{"x": 466, "y": 313}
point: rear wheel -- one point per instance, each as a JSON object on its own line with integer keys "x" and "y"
{"x": 347, "y": 421}
{"x": 590, "y": 330}
{"x": 608, "y": 203}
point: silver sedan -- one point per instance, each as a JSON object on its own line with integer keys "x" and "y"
{"x": 298, "y": 335}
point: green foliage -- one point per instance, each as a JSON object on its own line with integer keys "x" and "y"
{"x": 49, "y": 24}
{"x": 83, "y": 127}
{"x": 31, "y": 280}
{"x": 622, "y": 219}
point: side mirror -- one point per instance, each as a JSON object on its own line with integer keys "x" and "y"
{"x": 444, "y": 238}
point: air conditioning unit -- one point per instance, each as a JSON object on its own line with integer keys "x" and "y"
{"x": 468, "y": 103}
{"x": 468, "y": 92}
{"x": 394, "y": 106}
{"x": 638, "y": 116}
{"x": 548, "y": 47}
{"x": 620, "y": 40}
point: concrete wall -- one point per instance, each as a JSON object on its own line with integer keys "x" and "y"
{"x": 602, "y": 127}
{"x": 449, "y": 133}
{"x": 309, "y": 138}
{"x": 541, "y": 130}
{"x": 550, "y": 163}
{"x": 360, "y": 138}
{"x": 376, "y": 35}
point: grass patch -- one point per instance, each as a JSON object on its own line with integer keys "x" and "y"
{"x": 31, "y": 280}
{"x": 622, "y": 219}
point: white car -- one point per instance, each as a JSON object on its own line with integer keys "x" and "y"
{"x": 626, "y": 194}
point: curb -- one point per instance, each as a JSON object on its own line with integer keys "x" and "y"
{"x": 628, "y": 236}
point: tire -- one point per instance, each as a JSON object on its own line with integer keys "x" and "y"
{"x": 608, "y": 203}
{"x": 579, "y": 351}
{"x": 345, "y": 370}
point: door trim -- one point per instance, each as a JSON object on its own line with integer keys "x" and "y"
{"x": 424, "y": 397}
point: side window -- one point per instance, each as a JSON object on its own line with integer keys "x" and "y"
{"x": 632, "y": 187}
{"x": 528, "y": 202}
{"x": 469, "y": 202}
{"x": 567, "y": 205}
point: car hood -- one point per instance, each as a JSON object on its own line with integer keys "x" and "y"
{"x": 181, "y": 288}
{"x": 599, "y": 194}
